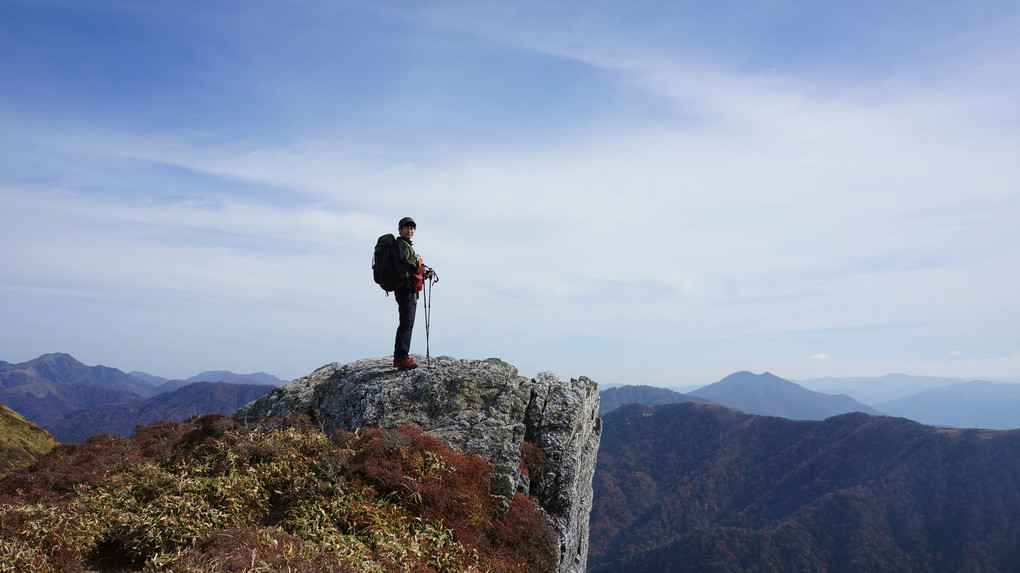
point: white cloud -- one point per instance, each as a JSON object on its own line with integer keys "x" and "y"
{"x": 735, "y": 205}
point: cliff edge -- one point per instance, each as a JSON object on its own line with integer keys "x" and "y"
{"x": 475, "y": 406}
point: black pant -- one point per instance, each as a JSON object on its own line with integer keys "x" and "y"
{"x": 407, "y": 304}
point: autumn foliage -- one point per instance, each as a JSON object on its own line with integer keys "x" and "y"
{"x": 699, "y": 487}
{"x": 210, "y": 494}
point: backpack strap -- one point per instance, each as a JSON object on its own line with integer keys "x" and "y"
{"x": 406, "y": 258}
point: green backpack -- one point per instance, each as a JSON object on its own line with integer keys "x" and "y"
{"x": 385, "y": 271}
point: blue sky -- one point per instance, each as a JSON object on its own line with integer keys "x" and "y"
{"x": 639, "y": 192}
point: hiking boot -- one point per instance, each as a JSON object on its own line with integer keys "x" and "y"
{"x": 406, "y": 363}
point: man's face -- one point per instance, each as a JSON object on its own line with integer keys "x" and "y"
{"x": 407, "y": 232}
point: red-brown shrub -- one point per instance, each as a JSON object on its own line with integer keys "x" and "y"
{"x": 523, "y": 539}
{"x": 404, "y": 467}
{"x": 424, "y": 473}
{"x": 454, "y": 489}
{"x": 238, "y": 550}
{"x": 533, "y": 460}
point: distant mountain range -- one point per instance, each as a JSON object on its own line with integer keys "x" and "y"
{"x": 60, "y": 369}
{"x": 54, "y": 386}
{"x": 763, "y": 394}
{"x": 47, "y": 403}
{"x": 176, "y": 405}
{"x": 616, "y": 396}
{"x": 875, "y": 390}
{"x": 950, "y": 402}
{"x": 946, "y": 402}
{"x": 213, "y": 376}
{"x": 769, "y": 395}
{"x": 976, "y": 404}
{"x": 700, "y": 487}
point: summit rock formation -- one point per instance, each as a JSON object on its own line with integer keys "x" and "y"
{"x": 475, "y": 406}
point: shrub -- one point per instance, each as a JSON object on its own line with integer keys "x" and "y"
{"x": 210, "y": 494}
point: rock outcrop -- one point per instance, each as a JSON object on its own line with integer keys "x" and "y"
{"x": 475, "y": 406}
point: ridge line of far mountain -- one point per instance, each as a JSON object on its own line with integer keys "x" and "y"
{"x": 760, "y": 394}
{"x": 59, "y": 368}
{"x": 53, "y": 386}
{"x": 975, "y": 404}
{"x": 769, "y": 395}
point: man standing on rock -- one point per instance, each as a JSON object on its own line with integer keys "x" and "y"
{"x": 415, "y": 272}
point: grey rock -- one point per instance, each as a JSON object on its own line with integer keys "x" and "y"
{"x": 474, "y": 406}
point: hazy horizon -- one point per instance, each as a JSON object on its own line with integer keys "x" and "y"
{"x": 814, "y": 382}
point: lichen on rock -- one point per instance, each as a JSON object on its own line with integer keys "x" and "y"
{"x": 475, "y": 406}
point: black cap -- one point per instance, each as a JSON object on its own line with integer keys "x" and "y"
{"x": 407, "y": 222}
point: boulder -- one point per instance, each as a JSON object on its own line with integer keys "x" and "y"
{"x": 475, "y": 406}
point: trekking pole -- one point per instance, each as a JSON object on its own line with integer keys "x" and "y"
{"x": 428, "y": 315}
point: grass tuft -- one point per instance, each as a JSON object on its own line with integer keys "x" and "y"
{"x": 211, "y": 494}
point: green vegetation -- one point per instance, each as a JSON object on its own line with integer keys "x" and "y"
{"x": 21, "y": 441}
{"x": 211, "y": 494}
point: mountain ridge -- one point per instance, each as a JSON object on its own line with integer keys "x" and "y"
{"x": 876, "y": 389}
{"x": 59, "y": 368}
{"x": 620, "y": 395}
{"x": 228, "y": 376}
{"x": 121, "y": 419}
{"x": 976, "y": 404}
{"x": 45, "y": 404}
{"x": 73, "y": 401}
{"x": 691, "y": 486}
{"x": 769, "y": 395}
